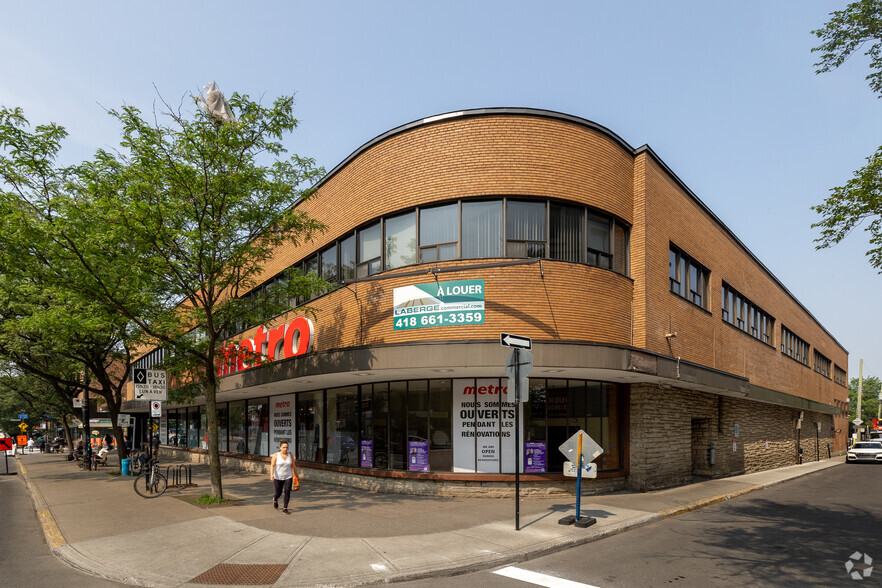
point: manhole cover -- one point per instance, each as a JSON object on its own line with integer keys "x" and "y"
{"x": 241, "y": 574}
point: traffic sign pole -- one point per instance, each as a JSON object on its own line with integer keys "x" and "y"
{"x": 517, "y": 362}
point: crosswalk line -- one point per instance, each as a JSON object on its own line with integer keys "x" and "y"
{"x": 539, "y": 579}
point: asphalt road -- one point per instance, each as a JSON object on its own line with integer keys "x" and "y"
{"x": 25, "y": 559}
{"x": 799, "y": 533}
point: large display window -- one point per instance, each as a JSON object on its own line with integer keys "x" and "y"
{"x": 460, "y": 425}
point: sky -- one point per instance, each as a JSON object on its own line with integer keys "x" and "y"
{"x": 724, "y": 92}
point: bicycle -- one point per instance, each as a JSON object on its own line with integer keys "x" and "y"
{"x": 150, "y": 483}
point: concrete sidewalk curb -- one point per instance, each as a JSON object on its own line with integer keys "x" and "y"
{"x": 684, "y": 508}
{"x": 51, "y": 532}
{"x": 519, "y": 556}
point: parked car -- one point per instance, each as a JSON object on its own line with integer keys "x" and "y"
{"x": 865, "y": 451}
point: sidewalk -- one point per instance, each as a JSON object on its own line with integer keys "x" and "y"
{"x": 334, "y": 536}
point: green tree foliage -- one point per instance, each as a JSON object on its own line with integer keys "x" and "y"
{"x": 869, "y": 399}
{"x": 860, "y": 199}
{"x": 171, "y": 232}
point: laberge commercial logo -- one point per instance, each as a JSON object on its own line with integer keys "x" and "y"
{"x": 438, "y": 304}
{"x": 267, "y": 345}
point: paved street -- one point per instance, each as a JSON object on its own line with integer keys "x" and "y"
{"x": 335, "y": 536}
{"x": 25, "y": 559}
{"x": 799, "y": 533}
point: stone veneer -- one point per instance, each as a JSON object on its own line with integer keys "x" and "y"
{"x": 673, "y": 429}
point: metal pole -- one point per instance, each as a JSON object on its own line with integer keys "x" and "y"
{"x": 579, "y": 480}
{"x": 87, "y": 445}
{"x": 517, "y": 390}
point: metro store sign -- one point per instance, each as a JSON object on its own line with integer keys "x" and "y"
{"x": 267, "y": 345}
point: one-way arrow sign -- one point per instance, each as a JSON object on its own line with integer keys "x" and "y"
{"x": 517, "y": 341}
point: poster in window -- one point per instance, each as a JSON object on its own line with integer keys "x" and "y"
{"x": 418, "y": 456}
{"x": 534, "y": 457}
{"x": 282, "y": 409}
{"x": 483, "y": 427}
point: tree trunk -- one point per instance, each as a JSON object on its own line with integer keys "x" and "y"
{"x": 213, "y": 451}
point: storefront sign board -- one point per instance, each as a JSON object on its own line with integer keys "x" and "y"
{"x": 282, "y": 411}
{"x": 483, "y": 427}
{"x": 436, "y": 304}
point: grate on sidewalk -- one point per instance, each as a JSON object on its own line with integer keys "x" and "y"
{"x": 241, "y": 574}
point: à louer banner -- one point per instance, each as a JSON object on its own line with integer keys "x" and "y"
{"x": 438, "y": 304}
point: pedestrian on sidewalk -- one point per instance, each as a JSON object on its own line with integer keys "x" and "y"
{"x": 282, "y": 473}
{"x": 31, "y": 445}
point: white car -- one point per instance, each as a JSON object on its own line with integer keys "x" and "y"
{"x": 866, "y": 451}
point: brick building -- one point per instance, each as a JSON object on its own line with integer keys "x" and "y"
{"x": 444, "y": 233}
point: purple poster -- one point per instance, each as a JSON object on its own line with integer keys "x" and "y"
{"x": 367, "y": 454}
{"x": 534, "y": 456}
{"x": 418, "y": 456}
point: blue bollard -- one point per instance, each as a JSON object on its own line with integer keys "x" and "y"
{"x": 124, "y": 469}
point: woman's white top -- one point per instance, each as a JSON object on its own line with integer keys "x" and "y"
{"x": 283, "y": 469}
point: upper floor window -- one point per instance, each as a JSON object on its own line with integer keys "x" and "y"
{"x": 482, "y": 229}
{"x": 369, "y": 251}
{"x": 401, "y": 240}
{"x": 839, "y": 376}
{"x": 439, "y": 233}
{"x": 793, "y": 346}
{"x": 688, "y": 278}
{"x": 525, "y": 229}
{"x": 743, "y": 314}
{"x": 822, "y": 364}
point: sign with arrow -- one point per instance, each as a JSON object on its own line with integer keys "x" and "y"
{"x": 516, "y": 341}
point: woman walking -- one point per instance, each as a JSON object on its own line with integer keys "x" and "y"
{"x": 282, "y": 472}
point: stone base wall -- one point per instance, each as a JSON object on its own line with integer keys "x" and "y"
{"x": 677, "y": 434}
{"x": 412, "y": 486}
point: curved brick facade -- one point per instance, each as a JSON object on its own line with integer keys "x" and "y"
{"x": 657, "y": 352}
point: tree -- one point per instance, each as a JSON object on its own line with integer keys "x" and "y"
{"x": 860, "y": 199}
{"x": 175, "y": 228}
{"x": 869, "y": 399}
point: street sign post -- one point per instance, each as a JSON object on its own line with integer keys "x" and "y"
{"x": 150, "y": 384}
{"x": 6, "y": 445}
{"x": 581, "y": 449}
{"x": 517, "y": 368}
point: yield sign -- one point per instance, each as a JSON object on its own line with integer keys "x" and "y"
{"x": 517, "y": 341}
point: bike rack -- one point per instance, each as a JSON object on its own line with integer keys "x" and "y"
{"x": 177, "y": 474}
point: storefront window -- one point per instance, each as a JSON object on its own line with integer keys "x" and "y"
{"x": 258, "y": 426}
{"x": 401, "y": 240}
{"x": 397, "y": 425}
{"x": 237, "y": 426}
{"x": 310, "y": 437}
{"x": 173, "y": 427}
{"x": 377, "y": 432}
{"x": 482, "y": 229}
{"x": 222, "y": 427}
{"x": 193, "y": 427}
{"x": 440, "y": 434}
{"x": 343, "y": 426}
{"x": 203, "y": 429}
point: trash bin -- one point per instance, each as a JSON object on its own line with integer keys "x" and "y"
{"x": 125, "y": 467}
